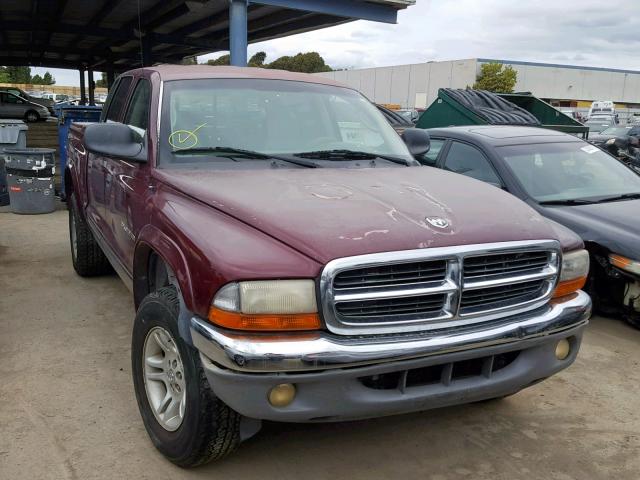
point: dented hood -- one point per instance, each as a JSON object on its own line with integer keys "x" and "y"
{"x": 331, "y": 213}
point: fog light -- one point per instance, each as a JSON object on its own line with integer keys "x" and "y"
{"x": 563, "y": 348}
{"x": 282, "y": 395}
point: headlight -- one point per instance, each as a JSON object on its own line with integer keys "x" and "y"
{"x": 573, "y": 272}
{"x": 266, "y": 305}
{"x": 624, "y": 263}
{"x": 611, "y": 141}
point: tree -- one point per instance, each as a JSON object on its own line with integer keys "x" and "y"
{"x": 48, "y": 79}
{"x": 258, "y": 59}
{"x": 496, "y": 77}
{"x": 102, "y": 81}
{"x": 19, "y": 74}
{"x": 223, "y": 60}
{"x": 36, "y": 80}
{"x": 4, "y": 76}
{"x": 193, "y": 60}
{"x": 310, "y": 62}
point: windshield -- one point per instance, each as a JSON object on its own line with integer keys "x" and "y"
{"x": 616, "y": 131}
{"x": 597, "y": 126}
{"x": 568, "y": 171}
{"x": 201, "y": 118}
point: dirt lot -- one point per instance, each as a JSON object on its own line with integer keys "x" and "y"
{"x": 67, "y": 408}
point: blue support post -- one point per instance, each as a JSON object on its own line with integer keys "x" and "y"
{"x": 238, "y": 32}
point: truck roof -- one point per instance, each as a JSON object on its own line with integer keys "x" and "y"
{"x": 188, "y": 72}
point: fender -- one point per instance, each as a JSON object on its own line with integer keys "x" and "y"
{"x": 152, "y": 240}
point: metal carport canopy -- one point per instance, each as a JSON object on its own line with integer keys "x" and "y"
{"x": 116, "y": 35}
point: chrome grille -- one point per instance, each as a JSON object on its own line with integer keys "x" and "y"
{"x": 437, "y": 288}
{"x": 425, "y": 304}
{"x": 382, "y": 276}
{"x": 495, "y": 297}
{"x": 492, "y": 266}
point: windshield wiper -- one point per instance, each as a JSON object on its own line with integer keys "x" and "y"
{"x": 350, "y": 155}
{"x": 616, "y": 198}
{"x": 571, "y": 201}
{"x": 244, "y": 153}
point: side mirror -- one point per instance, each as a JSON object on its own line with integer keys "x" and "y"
{"x": 417, "y": 140}
{"x": 115, "y": 140}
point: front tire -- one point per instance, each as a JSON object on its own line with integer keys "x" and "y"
{"x": 86, "y": 255}
{"x": 186, "y": 422}
{"x": 31, "y": 116}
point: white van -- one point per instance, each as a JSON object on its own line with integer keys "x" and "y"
{"x": 602, "y": 107}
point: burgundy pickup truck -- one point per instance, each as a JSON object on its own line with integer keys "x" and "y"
{"x": 290, "y": 261}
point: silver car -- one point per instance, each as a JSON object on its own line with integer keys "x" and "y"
{"x": 13, "y": 106}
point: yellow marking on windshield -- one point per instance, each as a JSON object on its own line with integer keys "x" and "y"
{"x": 184, "y": 139}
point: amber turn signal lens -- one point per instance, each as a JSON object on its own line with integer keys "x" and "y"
{"x": 569, "y": 286}
{"x": 264, "y": 322}
{"x": 620, "y": 261}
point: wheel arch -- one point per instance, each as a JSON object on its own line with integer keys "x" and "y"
{"x": 155, "y": 250}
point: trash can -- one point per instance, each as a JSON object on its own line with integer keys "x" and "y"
{"x": 66, "y": 116}
{"x": 13, "y": 134}
{"x": 30, "y": 179}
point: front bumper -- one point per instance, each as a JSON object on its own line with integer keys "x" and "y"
{"x": 328, "y": 369}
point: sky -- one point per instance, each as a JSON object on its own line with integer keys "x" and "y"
{"x": 585, "y": 32}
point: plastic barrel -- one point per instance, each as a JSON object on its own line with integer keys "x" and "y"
{"x": 30, "y": 180}
{"x": 12, "y": 135}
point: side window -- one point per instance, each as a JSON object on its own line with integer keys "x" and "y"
{"x": 118, "y": 100}
{"x": 9, "y": 98}
{"x": 138, "y": 111}
{"x": 470, "y": 161}
{"x": 431, "y": 156}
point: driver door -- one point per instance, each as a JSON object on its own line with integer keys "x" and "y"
{"x": 97, "y": 166}
{"x": 127, "y": 182}
{"x": 11, "y": 106}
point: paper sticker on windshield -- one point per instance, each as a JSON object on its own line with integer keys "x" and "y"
{"x": 351, "y": 132}
{"x": 589, "y": 149}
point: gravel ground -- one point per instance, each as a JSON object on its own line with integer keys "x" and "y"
{"x": 68, "y": 411}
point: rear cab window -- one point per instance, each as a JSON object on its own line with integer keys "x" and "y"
{"x": 118, "y": 100}
{"x": 137, "y": 115}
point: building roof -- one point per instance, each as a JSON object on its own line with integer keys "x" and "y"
{"x": 124, "y": 33}
{"x": 556, "y": 65}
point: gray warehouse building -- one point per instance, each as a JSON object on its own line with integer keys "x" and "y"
{"x": 416, "y": 85}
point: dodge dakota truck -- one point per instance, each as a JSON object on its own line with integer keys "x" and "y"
{"x": 289, "y": 260}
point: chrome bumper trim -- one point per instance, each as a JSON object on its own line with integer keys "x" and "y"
{"x": 320, "y": 351}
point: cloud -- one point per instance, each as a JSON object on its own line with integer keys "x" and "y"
{"x": 585, "y": 32}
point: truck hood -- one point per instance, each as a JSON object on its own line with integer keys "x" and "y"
{"x": 329, "y": 213}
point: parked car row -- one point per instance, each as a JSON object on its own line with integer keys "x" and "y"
{"x": 16, "y": 103}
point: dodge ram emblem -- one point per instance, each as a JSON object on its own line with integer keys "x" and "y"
{"x": 438, "y": 222}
